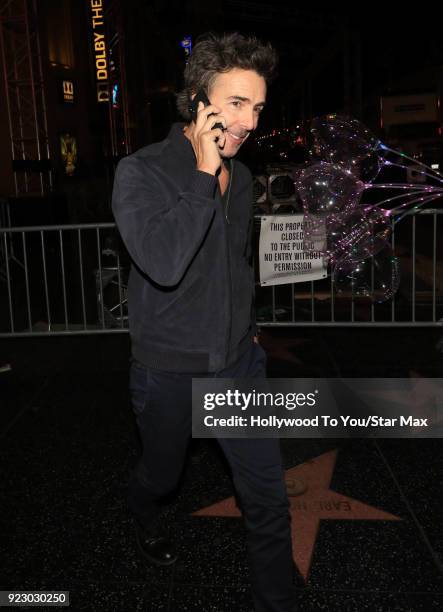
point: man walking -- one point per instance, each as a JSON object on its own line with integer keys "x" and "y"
{"x": 184, "y": 210}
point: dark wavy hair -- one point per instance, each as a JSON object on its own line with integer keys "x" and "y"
{"x": 216, "y": 53}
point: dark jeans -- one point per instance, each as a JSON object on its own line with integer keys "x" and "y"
{"x": 162, "y": 404}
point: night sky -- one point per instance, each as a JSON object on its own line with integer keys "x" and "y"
{"x": 388, "y": 47}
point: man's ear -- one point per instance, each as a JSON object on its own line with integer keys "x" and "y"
{"x": 190, "y": 98}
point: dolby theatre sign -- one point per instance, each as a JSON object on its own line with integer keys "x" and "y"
{"x": 99, "y": 49}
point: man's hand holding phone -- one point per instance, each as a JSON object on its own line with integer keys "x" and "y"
{"x": 206, "y": 140}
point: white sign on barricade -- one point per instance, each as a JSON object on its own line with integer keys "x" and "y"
{"x": 285, "y": 255}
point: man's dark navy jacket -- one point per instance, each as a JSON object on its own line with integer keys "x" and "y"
{"x": 191, "y": 285}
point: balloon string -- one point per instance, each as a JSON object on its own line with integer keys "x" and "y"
{"x": 397, "y": 197}
{"x": 421, "y": 201}
{"x": 401, "y": 186}
{"x": 435, "y": 178}
{"x": 434, "y": 196}
{"x": 369, "y": 207}
{"x": 415, "y": 161}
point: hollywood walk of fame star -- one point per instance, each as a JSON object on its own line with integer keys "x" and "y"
{"x": 318, "y": 502}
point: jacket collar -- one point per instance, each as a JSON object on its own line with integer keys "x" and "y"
{"x": 179, "y": 141}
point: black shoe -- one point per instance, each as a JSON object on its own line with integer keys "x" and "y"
{"x": 155, "y": 546}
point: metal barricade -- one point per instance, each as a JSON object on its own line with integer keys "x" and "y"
{"x": 72, "y": 279}
{"x": 67, "y": 279}
{"x": 418, "y": 243}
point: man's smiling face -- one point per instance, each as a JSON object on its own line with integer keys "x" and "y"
{"x": 241, "y": 95}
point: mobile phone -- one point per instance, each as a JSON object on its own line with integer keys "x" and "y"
{"x": 193, "y": 107}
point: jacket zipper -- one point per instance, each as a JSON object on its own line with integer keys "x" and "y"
{"x": 228, "y": 337}
{"x": 231, "y": 172}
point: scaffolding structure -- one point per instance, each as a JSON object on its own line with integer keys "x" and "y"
{"x": 25, "y": 97}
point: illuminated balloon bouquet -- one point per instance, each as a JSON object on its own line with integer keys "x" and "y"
{"x": 347, "y": 158}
